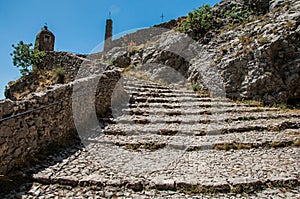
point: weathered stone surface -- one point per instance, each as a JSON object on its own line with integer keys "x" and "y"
{"x": 45, "y": 40}
{"x": 70, "y": 63}
{"x": 119, "y": 56}
{"x": 256, "y": 60}
{"x": 6, "y": 108}
{"x": 27, "y": 135}
{"x": 252, "y": 162}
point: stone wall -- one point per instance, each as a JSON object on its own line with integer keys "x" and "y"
{"x": 69, "y": 62}
{"x": 139, "y": 37}
{"x": 25, "y": 136}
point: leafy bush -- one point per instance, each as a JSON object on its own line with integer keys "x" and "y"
{"x": 205, "y": 19}
{"x": 238, "y": 14}
{"x": 200, "y": 20}
{"x": 25, "y": 57}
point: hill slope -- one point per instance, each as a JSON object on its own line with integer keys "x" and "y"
{"x": 256, "y": 51}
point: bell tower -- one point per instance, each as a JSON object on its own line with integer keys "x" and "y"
{"x": 44, "y": 40}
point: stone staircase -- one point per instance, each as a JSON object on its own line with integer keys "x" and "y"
{"x": 176, "y": 143}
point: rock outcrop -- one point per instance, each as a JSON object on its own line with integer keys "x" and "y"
{"x": 257, "y": 59}
{"x": 260, "y": 60}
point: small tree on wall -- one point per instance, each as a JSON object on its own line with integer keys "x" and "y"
{"x": 24, "y": 57}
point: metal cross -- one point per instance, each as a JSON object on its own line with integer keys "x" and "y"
{"x": 109, "y": 15}
{"x": 162, "y": 17}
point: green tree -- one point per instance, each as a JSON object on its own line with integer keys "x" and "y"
{"x": 24, "y": 57}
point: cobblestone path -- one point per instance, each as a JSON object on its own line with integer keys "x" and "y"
{"x": 175, "y": 143}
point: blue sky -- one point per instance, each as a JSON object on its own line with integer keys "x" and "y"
{"x": 77, "y": 24}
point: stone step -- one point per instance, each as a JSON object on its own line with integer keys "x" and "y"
{"x": 167, "y": 95}
{"x": 204, "y": 119}
{"x": 153, "y": 146}
{"x": 196, "y": 171}
{"x": 145, "y": 87}
{"x": 203, "y": 129}
{"x": 195, "y": 104}
{"x": 152, "y": 90}
{"x": 194, "y": 110}
{"x": 181, "y": 99}
{"x": 39, "y": 190}
{"x": 247, "y": 140}
{"x": 247, "y": 137}
{"x": 138, "y": 83}
{"x": 165, "y": 90}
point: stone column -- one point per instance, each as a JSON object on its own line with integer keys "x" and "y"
{"x": 108, "y": 35}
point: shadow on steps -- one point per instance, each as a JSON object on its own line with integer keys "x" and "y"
{"x": 20, "y": 180}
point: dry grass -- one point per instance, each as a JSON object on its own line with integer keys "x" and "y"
{"x": 151, "y": 146}
{"x": 167, "y": 132}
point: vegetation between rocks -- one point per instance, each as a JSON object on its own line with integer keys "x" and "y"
{"x": 205, "y": 18}
{"x": 238, "y": 146}
{"x": 59, "y": 74}
{"x": 151, "y": 146}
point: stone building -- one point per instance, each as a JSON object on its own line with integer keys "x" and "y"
{"x": 44, "y": 40}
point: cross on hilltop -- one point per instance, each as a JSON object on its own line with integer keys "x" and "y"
{"x": 162, "y": 17}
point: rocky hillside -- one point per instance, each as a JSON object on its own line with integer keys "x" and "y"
{"x": 260, "y": 59}
{"x": 254, "y": 47}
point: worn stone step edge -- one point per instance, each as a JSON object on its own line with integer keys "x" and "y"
{"x": 177, "y": 99}
{"x": 177, "y": 112}
{"x": 145, "y": 87}
{"x": 125, "y": 193}
{"x": 134, "y": 89}
{"x": 200, "y": 105}
{"x": 157, "y": 90}
{"x": 155, "y": 120}
{"x": 202, "y": 132}
{"x": 173, "y": 92}
{"x": 138, "y": 184}
{"x": 154, "y": 146}
{"x": 167, "y": 95}
{"x": 135, "y": 85}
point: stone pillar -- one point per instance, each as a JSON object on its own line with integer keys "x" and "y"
{"x": 108, "y": 35}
